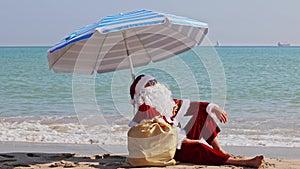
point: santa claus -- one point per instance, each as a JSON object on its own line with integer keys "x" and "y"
{"x": 155, "y": 99}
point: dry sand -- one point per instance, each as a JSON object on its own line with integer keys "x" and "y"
{"x": 17, "y": 155}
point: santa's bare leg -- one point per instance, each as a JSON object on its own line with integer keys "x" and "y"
{"x": 215, "y": 145}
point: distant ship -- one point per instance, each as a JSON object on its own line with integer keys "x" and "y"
{"x": 218, "y": 43}
{"x": 283, "y": 44}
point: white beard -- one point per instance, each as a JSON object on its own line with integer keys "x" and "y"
{"x": 158, "y": 97}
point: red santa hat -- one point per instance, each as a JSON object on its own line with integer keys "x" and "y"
{"x": 138, "y": 85}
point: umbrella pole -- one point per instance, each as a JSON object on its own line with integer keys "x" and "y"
{"x": 130, "y": 64}
{"x": 132, "y": 72}
{"x": 129, "y": 57}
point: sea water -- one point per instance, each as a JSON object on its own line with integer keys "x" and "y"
{"x": 259, "y": 89}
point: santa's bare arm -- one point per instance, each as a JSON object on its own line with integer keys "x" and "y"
{"x": 220, "y": 113}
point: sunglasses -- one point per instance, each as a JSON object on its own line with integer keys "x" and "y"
{"x": 152, "y": 82}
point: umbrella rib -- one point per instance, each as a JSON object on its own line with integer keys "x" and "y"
{"x": 142, "y": 44}
{"x": 60, "y": 57}
{"x": 202, "y": 37}
{"x": 99, "y": 53}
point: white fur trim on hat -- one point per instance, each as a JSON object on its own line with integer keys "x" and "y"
{"x": 141, "y": 83}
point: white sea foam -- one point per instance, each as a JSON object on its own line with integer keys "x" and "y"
{"x": 112, "y": 130}
{"x": 60, "y": 130}
{"x": 259, "y": 140}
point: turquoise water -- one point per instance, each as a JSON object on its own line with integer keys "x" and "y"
{"x": 28, "y": 88}
{"x": 263, "y": 75}
{"x": 262, "y": 95}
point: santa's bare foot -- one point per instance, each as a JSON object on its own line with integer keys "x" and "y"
{"x": 252, "y": 162}
{"x": 256, "y": 161}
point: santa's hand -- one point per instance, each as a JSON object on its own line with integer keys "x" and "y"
{"x": 221, "y": 114}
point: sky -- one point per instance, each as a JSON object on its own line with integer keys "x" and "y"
{"x": 231, "y": 22}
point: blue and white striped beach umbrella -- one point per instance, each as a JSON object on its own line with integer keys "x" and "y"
{"x": 125, "y": 41}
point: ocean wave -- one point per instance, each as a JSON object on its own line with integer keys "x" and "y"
{"x": 112, "y": 130}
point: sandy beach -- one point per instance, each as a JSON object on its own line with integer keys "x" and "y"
{"x": 24, "y": 155}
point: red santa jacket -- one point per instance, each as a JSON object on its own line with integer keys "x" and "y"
{"x": 181, "y": 108}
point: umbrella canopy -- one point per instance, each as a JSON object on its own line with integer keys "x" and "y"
{"x": 124, "y": 41}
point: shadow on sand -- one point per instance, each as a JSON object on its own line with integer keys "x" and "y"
{"x": 60, "y": 160}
